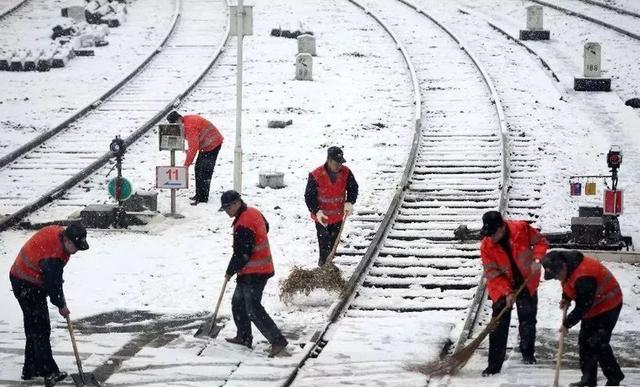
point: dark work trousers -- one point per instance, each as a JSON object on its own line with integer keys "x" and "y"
{"x": 38, "y": 359}
{"x": 595, "y": 334}
{"x": 527, "y": 307}
{"x": 205, "y": 163}
{"x": 246, "y": 306}
{"x": 326, "y": 239}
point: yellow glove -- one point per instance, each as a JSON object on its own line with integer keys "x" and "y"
{"x": 322, "y": 218}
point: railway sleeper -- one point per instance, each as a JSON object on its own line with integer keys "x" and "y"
{"x": 443, "y": 288}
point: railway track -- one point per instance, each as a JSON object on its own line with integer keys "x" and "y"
{"x": 9, "y": 6}
{"x": 414, "y": 272}
{"x": 614, "y": 18}
{"x": 129, "y": 110}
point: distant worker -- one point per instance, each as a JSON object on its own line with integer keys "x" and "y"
{"x": 331, "y": 192}
{"x": 252, "y": 263}
{"x": 37, "y": 273}
{"x": 202, "y": 138}
{"x": 511, "y": 252}
{"x": 598, "y": 301}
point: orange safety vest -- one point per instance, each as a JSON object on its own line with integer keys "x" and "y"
{"x": 608, "y": 292}
{"x": 260, "y": 261}
{"x": 331, "y": 196}
{"x": 527, "y": 245}
{"x": 207, "y": 135}
{"x": 44, "y": 244}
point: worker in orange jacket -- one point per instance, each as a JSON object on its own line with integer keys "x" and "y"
{"x": 598, "y": 301}
{"x": 330, "y": 194}
{"x": 204, "y": 139}
{"x": 252, "y": 264}
{"x": 35, "y": 274}
{"x": 511, "y": 252}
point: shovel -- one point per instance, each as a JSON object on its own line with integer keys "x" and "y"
{"x": 560, "y": 349}
{"x": 81, "y": 378}
{"x": 209, "y": 328}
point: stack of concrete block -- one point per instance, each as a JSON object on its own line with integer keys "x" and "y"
{"x": 71, "y": 38}
{"x": 111, "y": 13}
{"x": 62, "y": 56}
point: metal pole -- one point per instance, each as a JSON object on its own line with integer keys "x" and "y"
{"x": 173, "y": 191}
{"x": 237, "y": 159}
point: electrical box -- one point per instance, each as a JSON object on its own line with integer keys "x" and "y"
{"x": 171, "y": 136}
{"x": 247, "y": 20}
{"x": 587, "y": 230}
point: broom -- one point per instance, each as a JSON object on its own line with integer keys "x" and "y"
{"x": 327, "y": 276}
{"x": 460, "y": 357}
{"x": 560, "y": 349}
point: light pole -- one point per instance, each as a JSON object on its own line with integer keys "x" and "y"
{"x": 237, "y": 153}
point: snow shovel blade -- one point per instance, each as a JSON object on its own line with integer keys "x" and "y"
{"x": 209, "y": 329}
{"x": 86, "y": 379}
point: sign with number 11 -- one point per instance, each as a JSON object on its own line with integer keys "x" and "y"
{"x": 172, "y": 177}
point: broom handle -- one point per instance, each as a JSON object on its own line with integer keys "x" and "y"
{"x": 332, "y": 254}
{"x": 75, "y": 347}
{"x": 494, "y": 321}
{"x": 560, "y": 349}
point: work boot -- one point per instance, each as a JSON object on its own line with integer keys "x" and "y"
{"x": 529, "y": 359}
{"x": 51, "y": 380}
{"x": 613, "y": 382}
{"x": 490, "y": 371}
{"x": 240, "y": 341}
{"x": 194, "y": 197}
{"x": 278, "y": 346}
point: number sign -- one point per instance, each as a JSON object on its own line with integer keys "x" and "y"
{"x": 172, "y": 177}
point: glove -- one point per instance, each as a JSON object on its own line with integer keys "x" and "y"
{"x": 322, "y": 218}
{"x": 535, "y": 266}
{"x": 348, "y": 209}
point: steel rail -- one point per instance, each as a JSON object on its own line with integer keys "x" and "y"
{"x": 340, "y": 307}
{"x": 506, "y": 168}
{"x": 588, "y": 18}
{"x": 611, "y": 7}
{"x": 5, "y": 12}
{"x": 375, "y": 244}
{"x": 58, "y": 191}
{"x": 39, "y": 140}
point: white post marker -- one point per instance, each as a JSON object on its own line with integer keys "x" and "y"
{"x": 304, "y": 67}
{"x": 243, "y": 26}
{"x": 307, "y": 44}
{"x": 535, "y": 29}
{"x": 534, "y": 17}
{"x": 592, "y": 79}
{"x": 592, "y": 60}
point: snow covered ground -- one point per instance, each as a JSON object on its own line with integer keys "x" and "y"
{"x": 151, "y": 286}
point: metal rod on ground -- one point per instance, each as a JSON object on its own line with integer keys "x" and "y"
{"x": 81, "y": 379}
{"x": 560, "y": 349}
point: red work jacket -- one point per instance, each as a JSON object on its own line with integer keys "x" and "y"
{"x": 527, "y": 245}
{"x": 201, "y": 136}
{"x": 608, "y": 292}
{"x": 44, "y": 244}
{"x": 260, "y": 261}
{"x": 331, "y": 196}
